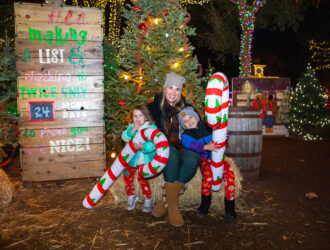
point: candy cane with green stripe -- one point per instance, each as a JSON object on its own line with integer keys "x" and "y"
{"x": 216, "y": 112}
{"x": 148, "y": 170}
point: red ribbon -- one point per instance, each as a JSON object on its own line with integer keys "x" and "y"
{"x": 9, "y": 159}
{"x": 2, "y": 108}
{"x": 138, "y": 55}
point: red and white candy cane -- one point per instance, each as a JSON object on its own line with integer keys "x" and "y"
{"x": 148, "y": 170}
{"x": 216, "y": 112}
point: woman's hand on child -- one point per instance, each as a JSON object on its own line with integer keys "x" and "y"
{"x": 138, "y": 146}
{"x": 211, "y": 147}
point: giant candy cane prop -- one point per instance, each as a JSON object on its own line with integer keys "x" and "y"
{"x": 216, "y": 112}
{"x": 148, "y": 170}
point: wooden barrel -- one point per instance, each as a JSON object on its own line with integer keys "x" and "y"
{"x": 245, "y": 140}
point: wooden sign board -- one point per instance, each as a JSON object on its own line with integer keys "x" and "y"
{"x": 60, "y": 91}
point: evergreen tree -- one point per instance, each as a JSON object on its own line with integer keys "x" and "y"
{"x": 308, "y": 107}
{"x": 8, "y": 86}
{"x": 153, "y": 44}
{"x": 284, "y": 111}
{"x": 112, "y": 108}
{"x": 8, "y": 103}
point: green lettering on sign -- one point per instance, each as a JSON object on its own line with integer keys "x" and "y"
{"x": 34, "y": 35}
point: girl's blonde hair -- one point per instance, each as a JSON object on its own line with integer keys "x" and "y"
{"x": 144, "y": 110}
{"x": 178, "y": 104}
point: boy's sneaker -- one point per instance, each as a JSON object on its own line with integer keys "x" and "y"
{"x": 147, "y": 205}
{"x": 131, "y": 200}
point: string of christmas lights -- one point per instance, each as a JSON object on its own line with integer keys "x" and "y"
{"x": 247, "y": 14}
{"x": 200, "y": 2}
{"x": 114, "y": 21}
{"x": 320, "y": 54}
{"x": 7, "y": 20}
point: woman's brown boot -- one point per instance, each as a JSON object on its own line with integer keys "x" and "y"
{"x": 172, "y": 199}
{"x": 159, "y": 210}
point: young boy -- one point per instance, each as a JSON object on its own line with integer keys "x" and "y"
{"x": 198, "y": 139}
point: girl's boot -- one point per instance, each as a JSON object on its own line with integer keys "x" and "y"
{"x": 159, "y": 210}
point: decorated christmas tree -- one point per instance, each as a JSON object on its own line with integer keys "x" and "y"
{"x": 284, "y": 111}
{"x": 308, "y": 107}
{"x": 153, "y": 44}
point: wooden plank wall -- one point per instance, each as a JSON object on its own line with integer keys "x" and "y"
{"x": 60, "y": 59}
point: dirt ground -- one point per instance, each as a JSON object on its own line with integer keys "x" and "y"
{"x": 276, "y": 213}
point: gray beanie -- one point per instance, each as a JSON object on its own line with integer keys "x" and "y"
{"x": 173, "y": 79}
{"x": 187, "y": 111}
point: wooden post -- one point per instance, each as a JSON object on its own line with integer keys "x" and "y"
{"x": 54, "y": 2}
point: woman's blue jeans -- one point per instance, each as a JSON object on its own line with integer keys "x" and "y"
{"x": 181, "y": 168}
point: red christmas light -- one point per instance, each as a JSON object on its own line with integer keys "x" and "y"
{"x": 122, "y": 103}
{"x": 165, "y": 12}
{"x": 136, "y": 8}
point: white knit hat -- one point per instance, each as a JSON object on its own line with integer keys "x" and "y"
{"x": 173, "y": 79}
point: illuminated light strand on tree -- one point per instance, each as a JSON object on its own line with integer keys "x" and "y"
{"x": 200, "y": 2}
{"x": 320, "y": 54}
{"x": 114, "y": 15}
{"x": 7, "y": 20}
{"x": 247, "y": 14}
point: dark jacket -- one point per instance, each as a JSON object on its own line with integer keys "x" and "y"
{"x": 162, "y": 118}
{"x": 194, "y": 139}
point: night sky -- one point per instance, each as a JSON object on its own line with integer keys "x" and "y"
{"x": 286, "y": 53}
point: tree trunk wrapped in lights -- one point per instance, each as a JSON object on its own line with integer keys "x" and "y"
{"x": 247, "y": 18}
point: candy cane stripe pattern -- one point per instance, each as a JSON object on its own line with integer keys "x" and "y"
{"x": 148, "y": 170}
{"x": 216, "y": 113}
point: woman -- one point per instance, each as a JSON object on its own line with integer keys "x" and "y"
{"x": 182, "y": 164}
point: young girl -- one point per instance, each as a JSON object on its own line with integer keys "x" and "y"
{"x": 198, "y": 139}
{"x": 141, "y": 119}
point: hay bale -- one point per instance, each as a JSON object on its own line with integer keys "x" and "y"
{"x": 6, "y": 190}
{"x": 191, "y": 196}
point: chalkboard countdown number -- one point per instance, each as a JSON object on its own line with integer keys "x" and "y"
{"x": 41, "y": 111}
